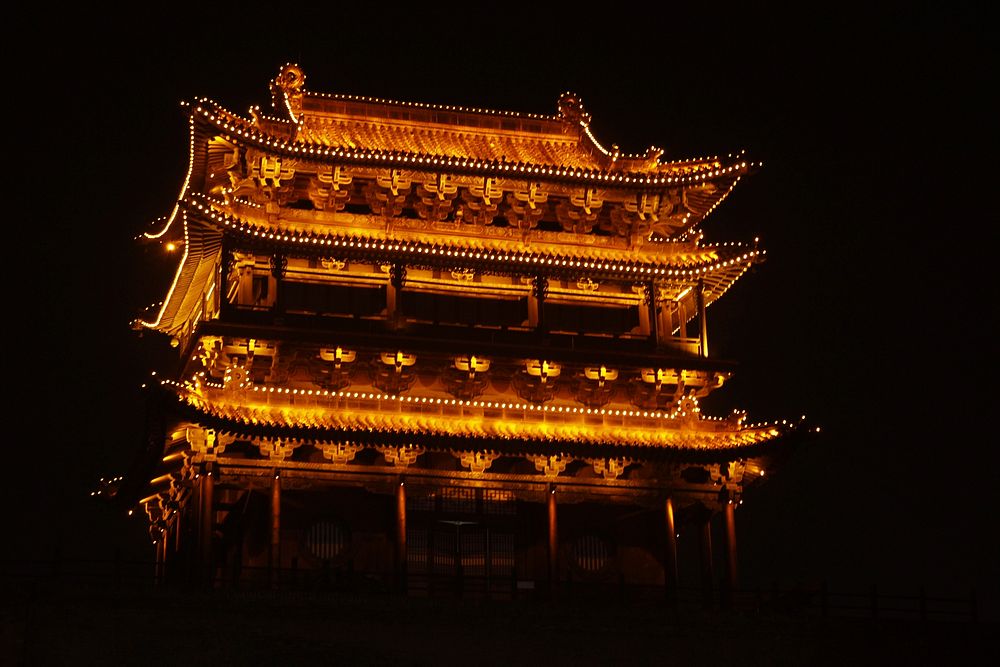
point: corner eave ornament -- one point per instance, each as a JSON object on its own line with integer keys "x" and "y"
{"x": 287, "y": 89}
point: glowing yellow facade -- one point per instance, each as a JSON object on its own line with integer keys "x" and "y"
{"x": 476, "y": 313}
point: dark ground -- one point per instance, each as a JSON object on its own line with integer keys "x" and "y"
{"x": 227, "y": 628}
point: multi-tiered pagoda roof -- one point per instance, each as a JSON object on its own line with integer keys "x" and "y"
{"x": 462, "y": 291}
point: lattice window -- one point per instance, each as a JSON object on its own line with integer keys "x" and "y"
{"x": 416, "y": 550}
{"x": 501, "y": 554}
{"x": 458, "y": 500}
{"x": 421, "y": 504}
{"x": 591, "y": 553}
{"x": 498, "y": 501}
{"x": 326, "y": 540}
{"x": 443, "y": 553}
{"x": 473, "y": 541}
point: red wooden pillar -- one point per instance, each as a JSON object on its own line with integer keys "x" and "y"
{"x": 702, "y": 322}
{"x": 193, "y": 548}
{"x": 274, "y": 559}
{"x": 207, "y": 521}
{"x": 159, "y": 549}
{"x": 177, "y": 533}
{"x": 670, "y": 561}
{"x": 401, "y": 554}
{"x": 732, "y": 573}
{"x": 707, "y": 570}
{"x": 168, "y": 557}
{"x": 652, "y": 312}
{"x": 553, "y": 539}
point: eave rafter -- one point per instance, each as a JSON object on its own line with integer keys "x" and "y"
{"x": 721, "y": 264}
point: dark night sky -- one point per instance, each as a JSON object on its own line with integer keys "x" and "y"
{"x": 870, "y": 315}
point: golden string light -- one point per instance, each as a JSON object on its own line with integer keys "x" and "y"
{"x": 184, "y": 186}
{"x": 173, "y": 285}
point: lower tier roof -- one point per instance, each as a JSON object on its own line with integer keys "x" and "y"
{"x": 482, "y": 425}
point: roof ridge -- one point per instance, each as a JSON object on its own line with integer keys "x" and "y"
{"x": 432, "y": 106}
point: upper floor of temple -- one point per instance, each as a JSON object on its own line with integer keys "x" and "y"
{"x": 493, "y": 175}
{"x": 469, "y": 202}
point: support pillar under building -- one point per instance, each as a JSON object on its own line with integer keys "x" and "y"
{"x": 670, "y": 577}
{"x": 401, "y": 554}
{"x": 707, "y": 570}
{"x": 732, "y": 571}
{"x": 177, "y": 533}
{"x": 553, "y": 565}
{"x": 702, "y": 321}
{"x": 274, "y": 560}
{"x": 159, "y": 551}
{"x": 193, "y": 549}
{"x": 207, "y": 526}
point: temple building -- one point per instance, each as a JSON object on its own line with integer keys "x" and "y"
{"x": 433, "y": 348}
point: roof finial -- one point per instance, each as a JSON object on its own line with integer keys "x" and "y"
{"x": 571, "y": 109}
{"x": 287, "y": 88}
{"x": 290, "y": 78}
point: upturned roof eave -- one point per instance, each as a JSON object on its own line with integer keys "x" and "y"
{"x": 238, "y": 128}
{"x": 770, "y": 435}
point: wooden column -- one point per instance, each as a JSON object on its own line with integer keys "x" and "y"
{"x": 194, "y": 531}
{"x": 536, "y": 302}
{"x": 553, "y": 540}
{"x": 707, "y": 570}
{"x": 645, "y": 319}
{"x": 732, "y": 573}
{"x": 177, "y": 533}
{"x": 279, "y": 264}
{"x": 670, "y": 559}
{"x": 274, "y": 560}
{"x": 168, "y": 551}
{"x": 394, "y": 295}
{"x": 702, "y": 322}
{"x": 390, "y": 302}
{"x": 245, "y": 295}
{"x": 159, "y": 548}
{"x": 165, "y": 554}
{"x": 682, "y": 327}
{"x": 649, "y": 307}
{"x": 664, "y": 321}
{"x": 207, "y": 521}
{"x": 401, "y": 554}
